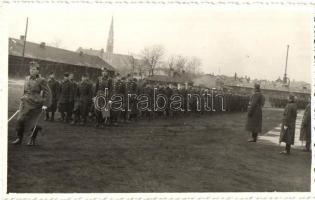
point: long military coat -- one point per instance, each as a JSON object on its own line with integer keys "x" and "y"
{"x": 73, "y": 90}
{"x": 131, "y": 88}
{"x": 289, "y": 117}
{"x": 254, "y": 115}
{"x": 84, "y": 96}
{"x": 102, "y": 83}
{"x": 55, "y": 89}
{"x": 65, "y": 92}
{"x": 305, "y": 134}
{"x": 36, "y": 94}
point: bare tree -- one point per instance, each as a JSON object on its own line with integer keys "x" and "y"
{"x": 170, "y": 64}
{"x": 193, "y": 66}
{"x": 152, "y": 56}
{"x": 181, "y": 62}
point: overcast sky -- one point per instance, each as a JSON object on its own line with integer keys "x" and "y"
{"x": 249, "y": 42}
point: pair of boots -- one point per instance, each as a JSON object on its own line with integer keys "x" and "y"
{"x": 32, "y": 140}
{"x": 287, "y": 150}
{"x": 254, "y": 137}
{"x": 307, "y": 147}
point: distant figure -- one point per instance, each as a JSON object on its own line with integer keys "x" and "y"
{"x": 254, "y": 115}
{"x": 288, "y": 125}
{"x": 305, "y": 134}
{"x": 35, "y": 100}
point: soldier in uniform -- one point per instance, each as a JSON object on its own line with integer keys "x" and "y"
{"x": 183, "y": 92}
{"x": 287, "y": 134}
{"x": 254, "y": 115}
{"x": 73, "y": 90}
{"x": 36, "y": 98}
{"x": 123, "y": 92}
{"x": 149, "y": 91}
{"x": 54, "y": 87}
{"x": 83, "y": 100}
{"x": 168, "y": 93}
{"x": 63, "y": 101}
{"x": 103, "y": 82}
{"x": 132, "y": 88}
{"x": 305, "y": 133}
{"x": 115, "y": 114}
{"x": 127, "y": 85}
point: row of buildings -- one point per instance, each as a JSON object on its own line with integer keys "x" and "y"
{"x": 57, "y": 60}
{"x": 87, "y": 60}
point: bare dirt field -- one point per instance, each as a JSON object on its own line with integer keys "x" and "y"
{"x": 188, "y": 154}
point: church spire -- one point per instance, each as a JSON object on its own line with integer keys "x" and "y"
{"x": 110, "y": 39}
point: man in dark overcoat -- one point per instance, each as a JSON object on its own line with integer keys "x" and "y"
{"x": 287, "y": 133}
{"x": 115, "y": 111}
{"x": 83, "y": 100}
{"x": 55, "y": 88}
{"x": 305, "y": 133}
{"x": 36, "y": 98}
{"x": 103, "y": 82}
{"x": 64, "y": 98}
{"x": 132, "y": 90}
{"x": 254, "y": 115}
{"x": 72, "y": 95}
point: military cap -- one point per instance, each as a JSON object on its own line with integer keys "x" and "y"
{"x": 66, "y": 74}
{"x": 291, "y": 97}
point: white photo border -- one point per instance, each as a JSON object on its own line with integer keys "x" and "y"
{"x": 308, "y": 6}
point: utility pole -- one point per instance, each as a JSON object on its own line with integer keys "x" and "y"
{"x": 285, "y": 78}
{"x": 25, "y": 35}
{"x": 24, "y": 44}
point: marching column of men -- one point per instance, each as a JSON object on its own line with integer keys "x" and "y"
{"x": 78, "y": 103}
{"x": 281, "y": 102}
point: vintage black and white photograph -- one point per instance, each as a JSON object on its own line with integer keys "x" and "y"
{"x": 158, "y": 99}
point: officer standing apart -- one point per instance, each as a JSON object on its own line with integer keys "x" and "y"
{"x": 254, "y": 115}
{"x": 287, "y": 133}
{"x": 36, "y": 98}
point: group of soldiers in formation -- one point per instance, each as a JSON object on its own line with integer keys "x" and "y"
{"x": 281, "y": 102}
{"x": 77, "y": 103}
